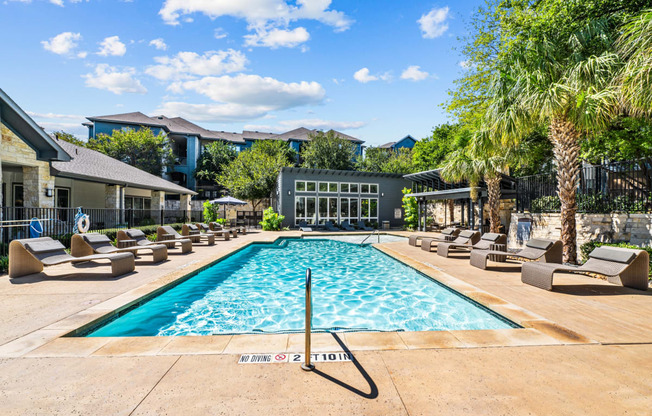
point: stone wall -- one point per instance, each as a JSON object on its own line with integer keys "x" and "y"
{"x": 439, "y": 211}
{"x": 633, "y": 228}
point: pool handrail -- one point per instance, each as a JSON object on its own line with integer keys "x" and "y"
{"x": 307, "y": 365}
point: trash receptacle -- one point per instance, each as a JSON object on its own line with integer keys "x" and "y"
{"x": 385, "y": 225}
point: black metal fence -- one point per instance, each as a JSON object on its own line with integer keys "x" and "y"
{"x": 58, "y": 223}
{"x": 611, "y": 187}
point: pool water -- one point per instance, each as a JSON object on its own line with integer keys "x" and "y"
{"x": 261, "y": 288}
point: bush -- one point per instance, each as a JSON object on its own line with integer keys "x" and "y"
{"x": 4, "y": 264}
{"x": 587, "y": 248}
{"x": 271, "y": 220}
{"x": 210, "y": 211}
{"x": 411, "y": 219}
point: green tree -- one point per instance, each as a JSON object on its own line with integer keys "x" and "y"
{"x": 211, "y": 212}
{"x": 378, "y": 159}
{"x": 328, "y": 151}
{"x": 214, "y": 157}
{"x": 626, "y": 139}
{"x": 411, "y": 218}
{"x": 136, "y": 147}
{"x": 67, "y": 137}
{"x": 431, "y": 152}
{"x": 252, "y": 175}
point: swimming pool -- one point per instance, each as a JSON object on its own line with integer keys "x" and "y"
{"x": 261, "y": 289}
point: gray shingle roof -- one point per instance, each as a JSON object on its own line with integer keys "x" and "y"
{"x": 387, "y": 145}
{"x": 303, "y": 134}
{"x": 90, "y": 165}
{"x": 132, "y": 118}
{"x": 256, "y": 135}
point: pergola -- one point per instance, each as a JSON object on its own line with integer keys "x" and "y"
{"x": 429, "y": 186}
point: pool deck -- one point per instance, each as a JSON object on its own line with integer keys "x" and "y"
{"x": 586, "y": 348}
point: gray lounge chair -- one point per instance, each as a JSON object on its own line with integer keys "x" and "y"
{"x": 361, "y": 226}
{"x": 485, "y": 243}
{"x": 88, "y": 244}
{"x": 547, "y": 251}
{"x": 218, "y": 233}
{"x": 194, "y": 234}
{"x": 170, "y": 237}
{"x": 214, "y": 226}
{"x": 346, "y": 226}
{"x": 624, "y": 266}
{"x": 466, "y": 237}
{"x": 134, "y": 236}
{"x": 30, "y": 255}
{"x": 447, "y": 234}
{"x": 329, "y": 226}
{"x": 303, "y": 226}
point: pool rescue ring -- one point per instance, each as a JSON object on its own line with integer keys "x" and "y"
{"x": 83, "y": 223}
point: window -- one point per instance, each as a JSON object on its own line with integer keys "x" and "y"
{"x": 373, "y": 188}
{"x": 311, "y": 186}
{"x": 364, "y": 188}
{"x": 135, "y": 202}
{"x": 304, "y": 209}
{"x": 327, "y": 209}
{"x": 353, "y": 188}
{"x": 328, "y": 187}
{"x": 344, "y": 187}
{"x": 323, "y": 186}
{"x": 369, "y": 209}
{"x": 332, "y": 187}
{"x": 18, "y": 195}
{"x": 62, "y": 197}
{"x": 300, "y": 186}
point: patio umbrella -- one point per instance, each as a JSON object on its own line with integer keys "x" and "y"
{"x": 227, "y": 200}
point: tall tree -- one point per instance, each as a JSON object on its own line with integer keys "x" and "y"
{"x": 67, "y": 137}
{"x": 139, "y": 148}
{"x": 328, "y": 151}
{"x": 377, "y": 159}
{"x": 431, "y": 152}
{"x": 213, "y": 159}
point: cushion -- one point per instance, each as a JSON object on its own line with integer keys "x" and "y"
{"x": 539, "y": 244}
{"x": 44, "y": 246}
{"x": 467, "y": 233}
{"x": 614, "y": 254}
{"x": 193, "y": 227}
{"x": 490, "y": 236}
{"x": 135, "y": 234}
{"x": 96, "y": 238}
{"x": 448, "y": 231}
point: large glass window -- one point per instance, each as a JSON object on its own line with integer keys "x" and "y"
{"x": 353, "y": 188}
{"x": 311, "y": 186}
{"x": 323, "y": 186}
{"x": 369, "y": 209}
{"x": 373, "y": 188}
{"x": 353, "y": 209}
{"x": 304, "y": 209}
{"x": 344, "y": 187}
{"x": 364, "y": 188}
{"x": 332, "y": 187}
{"x": 300, "y": 186}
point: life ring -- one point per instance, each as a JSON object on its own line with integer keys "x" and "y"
{"x": 83, "y": 223}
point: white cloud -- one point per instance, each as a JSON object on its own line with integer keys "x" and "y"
{"x": 112, "y": 79}
{"x": 57, "y": 2}
{"x": 414, "y": 73}
{"x": 63, "y": 43}
{"x": 311, "y": 123}
{"x": 159, "y": 44}
{"x": 112, "y": 46}
{"x": 363, "y": 75}
{"x": 55, "y": 116}
{"x": 276, "y": 38}
{"x": 212, "y": 112}
{"x": 220, "y": 33}
{"x": 185, "y": 65}
{"x": 434, "y": 23}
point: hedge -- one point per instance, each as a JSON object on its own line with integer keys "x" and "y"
{"x": 587, "y": 248}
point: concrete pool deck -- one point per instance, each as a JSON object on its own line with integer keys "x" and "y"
{"x": 585, "y": 349}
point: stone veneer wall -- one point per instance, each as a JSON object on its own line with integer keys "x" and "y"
{"x": 438, "y": 210}
{"x": 633, "y": 228}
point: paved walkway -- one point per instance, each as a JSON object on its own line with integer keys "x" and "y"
{"x": 606, "y": 372}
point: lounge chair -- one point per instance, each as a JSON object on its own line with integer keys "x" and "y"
{"x": 346, "y": 226}
{"x": 466, "y": 237}
{"x": 329, "y": 226}
{"x": 135, "y": 237}
{"x": 361, "y": 226}
{"x": 168, "y": 236}
{"x": 214, "y": 226}
{"x": 30, "y": 255}
{"x": 547, "y": 251}
{"x": 194, "y": 234}
{"x": 447, "y": 234}
{"x": 221, "y": 233}
{"x": 303, "y": 226}
{"x": 486, "y": 242}
{"x": 88, "y": 244}
{"x": 623, "y": 266}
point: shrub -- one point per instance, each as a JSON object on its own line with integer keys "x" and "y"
{"x": 271, "y": 220}
{"x": 211, "y": 212}
{"x": 587, "y": 248}
{"x": 411, "y": 219}
{"x": 4, "y": 264}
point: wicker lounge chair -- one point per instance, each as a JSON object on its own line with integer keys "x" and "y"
{"x": 360, "y": 225}
{"x": 88, "y": 244}
{"x": 466, "y": 237}
{"x": 345, "y": 225}
{"x": 547, "y": 251}
{"x": 329, "y": 226}
{"x": 447, "y": 234}
{"x": 623, "y": 266}
{"x": 30, "y": 255}
{"x": 487, "y": 241}
{"x": 168, "y": 236}
{"x": 218, "y": 233}
{"x": 303, "y": 226}
{"x": 133, "y": 236}
{"x": 194, "y": 234}
{"x": 219, "y": 227}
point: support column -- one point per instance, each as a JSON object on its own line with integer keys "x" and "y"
{"x": 481, "y": 215}
{"x": 158, "y": 205}
{"x": 114, "y": 202}
{"x": 419, "y": 215}
{"x": 36, "y": 179}
{"x": 462, "y": 207}
{"x": 184, "y": 205}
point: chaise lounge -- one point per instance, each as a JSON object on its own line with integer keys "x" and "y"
{"x": 466, "y": 237}
{"x": 487, "y": 242}
{"x": 345, "y": 225}
{"x": 447, "y": 234}
{"x": 168, "y": 236}
{"x": 624, "y": 266}
{"x": 329, "y": 226}
{"x": 214, "y": 226}
{"x": 88, "y": 244}
{"x": 303, "y": 226}
{"x": 194, "y": 234}
{"x": 360, "y": 225}
{"x": 221, "y": 233}
{"x": 547, "y": 251}
{"x": 28, "y": 256}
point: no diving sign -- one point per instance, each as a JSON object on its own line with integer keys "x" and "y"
{"x": 324, "y": 357}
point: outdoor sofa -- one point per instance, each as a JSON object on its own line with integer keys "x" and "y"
{"x": 92, "y": 243}
{"x": 28, "y": 256}
{"x": 628, "y": 267}
{"x": 194, "y": 234}
{"x": 447, "y": 234}
{"x": 345, "y": 225}
{"x": 303, "y": 226}
{"x": 466, "y": 237}
{"x": 218, "y": 233}
{"x": 361, "y": 226}
{"x": 329, "y": 226}
{"x": 547, "y": 251}
{"x": 487, "y": 242}
{"x": 170, "y": 237}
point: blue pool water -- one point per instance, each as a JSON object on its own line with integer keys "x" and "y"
{"x": 261, "y": 288}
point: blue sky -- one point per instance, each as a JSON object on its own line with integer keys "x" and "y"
{"x": 375, "y": 69}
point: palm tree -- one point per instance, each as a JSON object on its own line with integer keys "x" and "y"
{"x": 635, "y": 80}
{"x": 566, "y": 85}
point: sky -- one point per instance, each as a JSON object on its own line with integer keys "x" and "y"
{"x": 375, "y": 69}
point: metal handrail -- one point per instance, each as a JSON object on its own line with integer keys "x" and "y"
{"x": 306, "y": 365}
{"x": 377, "y": 232}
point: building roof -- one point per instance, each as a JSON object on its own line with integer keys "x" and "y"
{"x": 387, "y": 145}
{"x": 391, "y": 144}
{"x": 341, "y": 172}
{"x": 87, "y": 164}
{"x": 23, "y": 126}
{"x": 304, "y": 134}
{"x": 256, "y": 135}
{"x": 227, "y": 136}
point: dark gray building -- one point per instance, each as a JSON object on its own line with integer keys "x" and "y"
{"x": 319, "y": 195}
